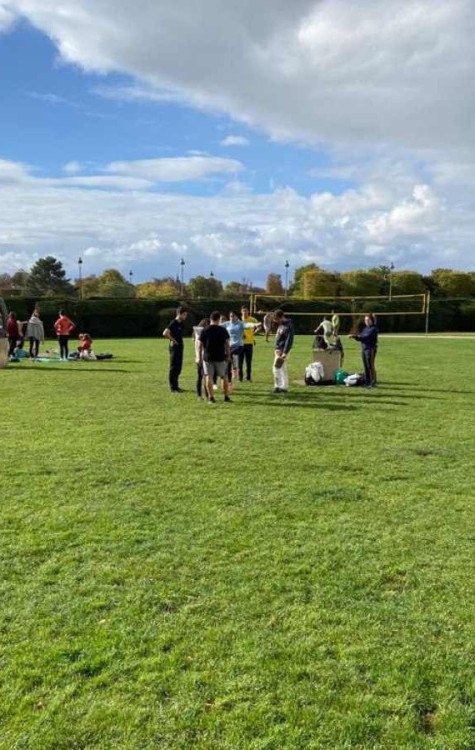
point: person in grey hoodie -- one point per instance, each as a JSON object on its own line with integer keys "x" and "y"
{"x": 35, "y": 333}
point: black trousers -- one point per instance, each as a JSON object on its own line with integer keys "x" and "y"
{"x": 200, "y": 385}
{"x": 63, "y": 346}
{"x": 368, "y": 356}
{"x": 34, "y": 346}
{"x": 176, "y": 363}
{"x": 245, "y": 354}
{"x": 11, "y": 345}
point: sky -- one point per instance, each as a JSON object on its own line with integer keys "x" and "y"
{"x": 237, "y": 135}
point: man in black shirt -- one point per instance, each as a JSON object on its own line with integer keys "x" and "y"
{"x": 174, "y": 334}
{"x": 215, "y": 353}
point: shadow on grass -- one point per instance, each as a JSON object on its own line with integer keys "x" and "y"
{"x": 66, "y": 371}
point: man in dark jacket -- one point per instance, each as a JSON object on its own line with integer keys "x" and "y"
{"x": 284, "y": 339}
{"x": 174, "y": 333}
{"x": 368, "y": 338}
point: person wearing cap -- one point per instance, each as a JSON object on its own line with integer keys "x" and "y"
{"x": 249, "y": 340}
{"x": 284, "y": 339}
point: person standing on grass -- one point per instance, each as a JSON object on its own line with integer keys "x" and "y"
{"x": 235, "y": 328}
{"x": 368, "y": 338}
{"x": 284, "y": 339}
{"x": 63, "y": 328}
{"x": 215, "y": 353}
{"x": 249, "y": 340}
{"x": 35, "y": 333}
{"x": 197, "y": 331}
{"x": 13, "y": 333}
{"x": 174, "y": 333}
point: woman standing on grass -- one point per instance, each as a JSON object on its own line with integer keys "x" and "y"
{"x": 368, "y": 338}
{"x": 63, "y": 328}
{"x": 35, "y": 333}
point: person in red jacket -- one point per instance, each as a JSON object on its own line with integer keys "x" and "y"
{"x": 63, "y": 328}
{"x": 13, "y": 333}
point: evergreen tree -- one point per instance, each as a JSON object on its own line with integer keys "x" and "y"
{"x": 48, "y": 278}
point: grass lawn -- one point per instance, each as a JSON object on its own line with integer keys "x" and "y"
{"x": 280, "y": 573}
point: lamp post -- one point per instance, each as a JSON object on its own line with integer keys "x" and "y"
{"x": 211, "y": 275}
{"x": 391, "y": 269}
{"x": 286, "y": 266}
{"x": 182, "y": 276}
{"x": 80, "y": 262}
{"x": 131, "y": 276}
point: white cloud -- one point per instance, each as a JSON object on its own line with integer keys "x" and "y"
{"x": 175, "y": 169}
{"x": 234, "y": 230}
{"x": 330, "y": 70}
{"x": 235, "y": 140}
{"x": 72, "y": 167}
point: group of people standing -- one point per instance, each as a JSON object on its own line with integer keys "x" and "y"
{"x": 224, "y": 349}
{"x": 33, "y": 330}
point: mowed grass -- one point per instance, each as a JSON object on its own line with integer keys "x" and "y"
{"x": 278, "y": 573}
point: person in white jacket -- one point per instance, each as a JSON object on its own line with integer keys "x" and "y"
{"x": 35, "y": 333}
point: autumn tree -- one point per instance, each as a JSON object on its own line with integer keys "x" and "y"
{"x": 165, "y": 287}
{"x": 204, "y": 286}
{"x": 319, "y": 283}
{"x": 450, "y": 283}
{"x": 111, "y": 283}
{"x": 362, "y": 283}
{"x": 274, "y": 285}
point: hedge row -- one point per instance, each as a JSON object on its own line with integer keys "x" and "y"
{"x": 130, "y": 318}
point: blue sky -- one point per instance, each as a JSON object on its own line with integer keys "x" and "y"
{"x": 135, "y": 137}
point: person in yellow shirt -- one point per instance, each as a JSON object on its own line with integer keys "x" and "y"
{"x": 249, "y": 339}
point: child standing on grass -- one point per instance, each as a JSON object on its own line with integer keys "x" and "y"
{"x": 13, "y": 333}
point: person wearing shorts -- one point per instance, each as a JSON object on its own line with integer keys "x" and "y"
{"x": 215, "y": 354}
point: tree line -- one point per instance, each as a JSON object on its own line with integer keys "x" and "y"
{"x": 47, "y": 278}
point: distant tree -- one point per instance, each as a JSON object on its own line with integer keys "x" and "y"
{"x": 5, "y": 282}
{"x": 274, "y": 284}
{"x": 204, "y": 286}
{"x": 296, "y": 288}
{"x": 48, "y": 278}
{"x": 362, "y": 283}
{"x": 20, "y": 281}
{"x": 234, "y": 289}
{"x": 111, "y": 283}
{"x": 89, "y": 286}
{"x": 407, "y": 282}
{"x": 166, "y": 287}
{"x": 450, "y": 283}
{"x": 319, "y": 283}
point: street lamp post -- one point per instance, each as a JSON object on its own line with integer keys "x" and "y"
{"x": 391, "y": 269}
{"x": 131, "y": 276}
{"x": 80, "y": 262}
{"x": 286, "y": 266}
{"x": 211, "y": 275}
{"x": 182, "y": 276}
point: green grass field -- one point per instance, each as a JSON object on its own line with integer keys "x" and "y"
{"x": 280, "y": 573}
